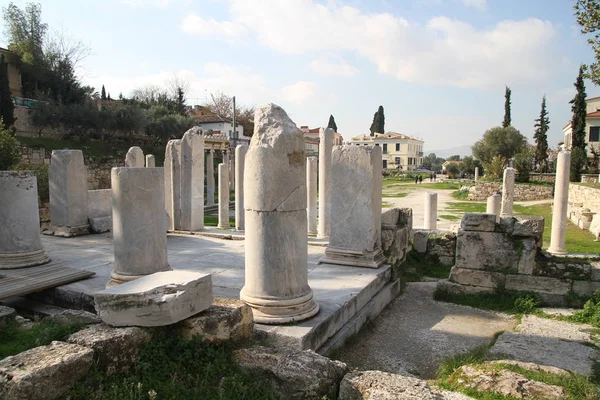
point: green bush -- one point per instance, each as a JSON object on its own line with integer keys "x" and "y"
{"x": 41, "y": 173}
{"x": 527, "y": 303}
{"x": 10, "y": 151}
{"x": 591, "y": 311}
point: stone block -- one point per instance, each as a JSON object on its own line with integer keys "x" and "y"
{"x": 595, "y": 225}
{"x": 528, "y": 283}
{"x": 585, "y": 288}
{"x": 456, "y": 288}
{"x": 67, "y": 317}
{"x": 134, "y": 158}
{"x": 420, "y": 237}
{"x": 390, "y": 217}
{"x": 529, "y": 226}
{"x": 595, "y": 271}
{"x": 225, "y": 320}
{"x": 486, "y": 250}
{"x": 100, "y": 224}
{"x": 364, "y": 385}
{"x": 99, "y": 203}
{"x": 7, "y": 314}
{"x": 405, "y": 217}
{"x": 564, "y": 267}
{"x": 478, "y": 222}
{"x": 68, "y": 189}
{"x": 293, "y": 374}
{"x": 159, "y": 299}
{"x": 45, "y": 372}
{"x": 387, "y": 238}
{"x": 505, "y": 225}
{"x": 528, "y": 251}
{"x": 475, "y": 277}
{"x": 115, "y": 349}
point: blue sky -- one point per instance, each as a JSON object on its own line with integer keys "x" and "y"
{"x": 438, "y": 67}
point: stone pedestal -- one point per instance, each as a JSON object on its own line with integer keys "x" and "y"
{"x": 311, "y": 194}
{"x": 355, "y": 238}
{"x": 561, "y": 201}
{"x": 430, "y": 219}
{"x": 150, "y": 161}
{"x": 240, "y": 158}
{"x": 325, "y": 148}
{"x": 476, "y": 174}
{"x": 20, "y": 244}
{"x": 139, "y": 237}
{"x": 210, "y": 178}
{"x": 223, "y": 196}
{"x": 276, "y": 284}
{"x": 493, "y": 206}
{"x": 508, "y": 192}
{"x": 192, "y": 180}
{"x": 173, "y": 183}
{"x": 134, "y": 158}
{"x": 68, "y": 193}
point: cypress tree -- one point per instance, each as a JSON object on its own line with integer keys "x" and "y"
{"x": 578, "y": 106}
{"x": 331, "y": 124}
{"x": 542, "y": 124}
{"x": 506, "y": 122}
{"x": 7, "y": 108}
{"x": 108, "y": 97}
{"x": 378, "y": 124}
{"x": 103, "y": 93}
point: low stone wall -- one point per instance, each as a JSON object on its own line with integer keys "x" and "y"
{"x": 396, "y": 230}
{"x": 585, "y": 196}
{"x": 536, "y": 177}
{"x": 589, "y": 178}
{"x": 523, "y": 192}
{"x": 440, "y": 245}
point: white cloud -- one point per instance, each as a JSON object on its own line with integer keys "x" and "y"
{"x": 479, "y": 4}
{"x": 327, "y": 67}
{"x": 155, "y": 3}
{"x": 195, "y": 24}
{"x": 300, "y": 92}
{"x": 443, "y": 51}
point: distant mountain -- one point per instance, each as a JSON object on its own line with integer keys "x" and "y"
{"x": 445, "y": 153}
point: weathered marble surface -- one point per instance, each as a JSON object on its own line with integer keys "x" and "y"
{"x": 325, "y": 149}
{"x": 508, "y": 192}
{"x": 172, "y": 180}
{"x": 561, "y": 200}
{"x": 192, "y": 180}
{"x": 311, "y": 194}
{"x": 223, "y": 196}
{"x": 150, "y": 161}
{"x": 134, "y": 157}
{"x": 240, "y": 158}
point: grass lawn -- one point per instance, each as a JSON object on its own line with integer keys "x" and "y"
{"x": 213, "y": 220}
{"x": 398, "y": 194}
{"x": 15, "y": 340}
{"x": 449, "y": 217}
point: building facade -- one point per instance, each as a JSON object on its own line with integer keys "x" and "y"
{"x": 311, "y": 140}
{"x": 14, "y": 73}
{"x": 398, "y": 151}
{"x": 592, "y": 127}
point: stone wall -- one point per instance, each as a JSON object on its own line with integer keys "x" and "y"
{"x": 25, "y": 128}
{"x": 585, "y": 196}
{"x": 441, "y": 245}
{"x": 396, "y": 230}
{"x": 523, "y": 192}
{"x": 589, "y": 178}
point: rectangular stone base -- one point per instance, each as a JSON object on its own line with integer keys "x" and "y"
{"x": 353, "y": 258}
{"x": 67, "y": 231}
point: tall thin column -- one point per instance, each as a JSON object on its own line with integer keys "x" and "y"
{"x": 226, "y": 158}
{"x": 192, "y": 180}
{"x": 173, "y": 183}
{"x": 276, "y": 284}
{"x": 493, "y": 205}
{"x": 561, "y": 199}
{"x": 20, "y": 244}
{"x": 508, "y": 192}
{"x": 139, "y": 237}
{"x": 150, "y": 161}
{"x": 430, "y": 221}
{"x": 311, "y": 194}
{"x": 223, "y": 197}
{"x": 476, "y": 174}
{"x": 232, "y": 163}
{"x": 210, "y": 178}
{"x": 240, "y": 158}
{"x": 325, "y": 149}
{"x": 134, "y": 157}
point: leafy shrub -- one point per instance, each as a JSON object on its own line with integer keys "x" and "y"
{"x": 10, "y": 151}
{"x": 527, "y": 303}
{"x": 591, "y": 311}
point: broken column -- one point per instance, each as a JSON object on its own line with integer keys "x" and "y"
{"x": 325, "y": 148}
{"x": 508, "y": 192}
{"x": 139, "y": 237}
{"x": 240, "y": 157}
{"x": 173, "y": 183}
{"x": 210, "y": 178}
{"x": 430, "y": 218}
{"x": 134, "y": 158}
{"x": 223, "y": 196}
{"x": 68, "y": 193}
{"x": 355, "y": 238}
{"x": 561, "y": 199}
{"x": 493, "y": 205}
{"x": 192, "y": 180}
{"x": 276, "y": 285}
{"x": 476, "y": 174}
{"x": 150, "y": 161}
{"x": 311, "y": 194}
{"x": 20, "y": 244}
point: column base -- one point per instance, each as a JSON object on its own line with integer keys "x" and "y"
{"x": 353, "y": 258}
{"x": 118, "y": 279}
{"x": 223, "y": 227}
{"x": 22, "y": 260}
{"x": 68, "y": 231}
{"x": 277, "y": 312}
{"x": 559, "y": 252}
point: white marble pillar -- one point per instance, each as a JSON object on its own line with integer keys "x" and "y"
{"x": 494, "y": 204}
{"x": 68, "y": 193}
{"x": 192, "y": 180}
{"x": 231, "y": 170}
{"x": 150, "y": 161}
{"x": 210, "y": 178}
{"x": 476, "y": 174}
{"x": 325, "y": 149}
{"x": 20, "y": 244}
{"x": 311, "y": 194}
{"x": 173, "y": 183}
{"x": 561, "y": 200}
{"x": 139, "y": 237}
{"x": 223, "y": 196}
{"x": 240, "y": 158}
{"x": 225, "y": 157}
{"x": 430, "y": 218}
{"x": 355, "y": 238}
{"x": 134, "y": 158}
{"x": 508, "y": 192}
{"x": 276, "y": 282}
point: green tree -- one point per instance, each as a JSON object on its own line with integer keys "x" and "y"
{"x": 578, "y": 162}
{"x": 452, "y": 170}
{"x": 331, "y": 124}
{"x": 103, "y": 93}
{"x": 455, "y": 157}
{"x": 506, "y": 121}
{"x": 378, "y": 124}
{"x": 10, "y": 152}
{"x": 587, "y": 13}
{"x": 180, "y": 101}
{"x": 523, "y": 163}
{"x": 7, "y": 108}
{"x": 579, "y": 109}
{"x": 542, "y": 124}
{"x": 469, "y": 164}
{"x": 45, "y": 115}
{"x": 498, "y": 142}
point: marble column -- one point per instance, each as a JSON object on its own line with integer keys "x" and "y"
{"x": 139, "y": 237}
{"x": 325, "y": 148}
{"x": 20, "y": 244}
{"x": 173, "y": 183}
{"x": 192, "y": 180}
{"x": 311, "y": 194}
{"x": 355, "y": 238}
{"x": 223, "y": 196}
{"x": 231, "y": 170}
{"x": 276, "y": 284}
{"x": 225, "y": 157}
{"x": 561, "y": 199}
{"x": 508, "y": 192}
{"x": 494, "y": 204}
{"x": 476, "y": 174}
{"x": 210, "y": 178}
{"x": 134, "y": 158}
{"x": 150, "y": 161}
{"x": 430, "y": 218}
{"x": 240, "y": 158}
{"x": 68, "y": 193}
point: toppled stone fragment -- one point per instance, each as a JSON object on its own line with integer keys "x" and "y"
{"x": 478, "y": 222}
{"x": 371, "y": 385}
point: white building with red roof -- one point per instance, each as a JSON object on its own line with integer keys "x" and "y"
{"x": 592, "y": 127}
{"x": 399, "y": 151}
